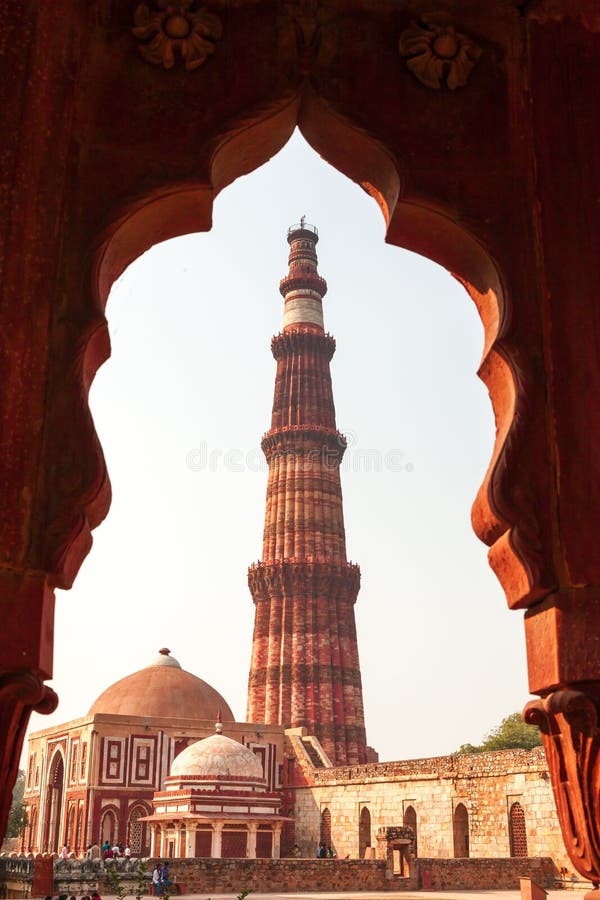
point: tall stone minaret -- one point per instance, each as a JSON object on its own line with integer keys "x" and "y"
{"x": 305, "y": 668}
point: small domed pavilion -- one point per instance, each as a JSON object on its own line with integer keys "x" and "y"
{"x": 216, "y": 803}
{"x": 93, "y": 779}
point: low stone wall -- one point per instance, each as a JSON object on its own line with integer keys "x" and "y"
{"x": 484, "y": 874}
{"x": 230, "y": 876}
{"x": 16, "y": 877}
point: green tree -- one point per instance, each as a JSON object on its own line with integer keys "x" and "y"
{"x": 511, "y": 733}
{"x": 17, "y": 817}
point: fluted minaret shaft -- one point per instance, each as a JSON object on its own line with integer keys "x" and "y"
{"x": 305, "y": 669}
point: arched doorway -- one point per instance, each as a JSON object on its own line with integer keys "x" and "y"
{"x": 517, "y": 831}
{"x": 109, "y": 827}
{"x": 54, "y": 804}
{"x": 460, "y": 831}
{"x": 138, "y": 834}
{"x": 364, "y": 831}
{"x": 410, "y": 820}
{"x": 325, "y": 837}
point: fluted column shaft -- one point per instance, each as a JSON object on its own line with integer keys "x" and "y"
{"x": 305, "y": 669}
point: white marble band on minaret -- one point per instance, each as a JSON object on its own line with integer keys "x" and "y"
{"x": 300, "y": 308}
{"x": 303, "y": 288}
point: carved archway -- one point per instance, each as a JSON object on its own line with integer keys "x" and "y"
{"x": 497, "y": 201}
{"x": 109, "y": 825}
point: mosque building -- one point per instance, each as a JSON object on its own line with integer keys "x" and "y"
{"x": 145, "y": 766}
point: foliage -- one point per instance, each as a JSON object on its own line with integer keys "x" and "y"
{"x": 116, "y": 881}
{"x": 243, "y": 894}
{"x": 511, "y": 733}
{"x": 17, "y": 817}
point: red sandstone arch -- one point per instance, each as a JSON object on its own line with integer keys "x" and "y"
{"x": 424, "y": 224}
{"x": 520, "y": 246}
{"x": 138, "y": 833}
{"x": 53, "y": 824}
{"x": 109, "y": 825}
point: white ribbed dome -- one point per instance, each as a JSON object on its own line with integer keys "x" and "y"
{"x": 218, "y": 756}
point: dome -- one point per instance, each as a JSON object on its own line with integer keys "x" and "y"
{"x": 218, "y": 756}
{"x": 162, "y": 690}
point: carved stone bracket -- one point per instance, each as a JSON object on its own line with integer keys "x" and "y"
{"x": 568, "y": 720}
{"x": 437, "y": 54}
{"x": 21, "y": 693}
{"x": 176, "y": 27}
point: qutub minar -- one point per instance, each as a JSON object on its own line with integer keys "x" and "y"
{"x": 305, "y": 669}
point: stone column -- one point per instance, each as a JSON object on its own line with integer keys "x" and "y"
{"x": 217, "y": 833}
{"x": 252, "y": 830}
{"x": 190, "y": 842}
{"x": 155, "y": 840}
{"x": 178, "y": 828}
{"x": 276, "y": 853}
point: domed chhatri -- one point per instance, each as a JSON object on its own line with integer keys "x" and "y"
{"x": 217, "y": 757}
{"x": 216, "y": 802}
{"x": 162, "y": 690}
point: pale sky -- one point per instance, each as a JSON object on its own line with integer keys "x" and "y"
{"x": 180, "y": 409}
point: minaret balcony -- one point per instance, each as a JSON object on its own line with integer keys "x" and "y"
{"x": 312, "y": 441}
{"x": 303, "y": 281}
{"x": 302, "y": 340}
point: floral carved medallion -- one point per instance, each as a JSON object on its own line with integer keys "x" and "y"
{"x": 176, "y": 27}
{"x": 437, "y": 54}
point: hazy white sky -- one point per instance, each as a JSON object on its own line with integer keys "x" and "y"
{"x": 180, "y": 409}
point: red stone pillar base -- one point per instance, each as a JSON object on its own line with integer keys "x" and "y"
{"x": 27, "y": 616}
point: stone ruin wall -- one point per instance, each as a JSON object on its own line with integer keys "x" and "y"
{"x": 487, "y": 784}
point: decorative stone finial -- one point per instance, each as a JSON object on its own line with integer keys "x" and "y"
{"x": 164, "y": 651}
{"x": 219, "y": 722}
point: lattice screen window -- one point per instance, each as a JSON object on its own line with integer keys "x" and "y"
{"x": 517, "y": 831}
{"x": 135, "y": 833}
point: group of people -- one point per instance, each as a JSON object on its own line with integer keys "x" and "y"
{"x": 160, "y": 878}
{"x": 115, "y": 852}
{"x": 324, "y": 852}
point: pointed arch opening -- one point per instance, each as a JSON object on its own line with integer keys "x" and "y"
{"x": 325, "y": 833}
{"x": 410, "y": 819}
{"x": 460, "y": 831}
{"x": 420, "y": 223}
{"x": 138, "y": 832}
{"x": 54, "y": 803}
{"x": 364, "y": 832}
